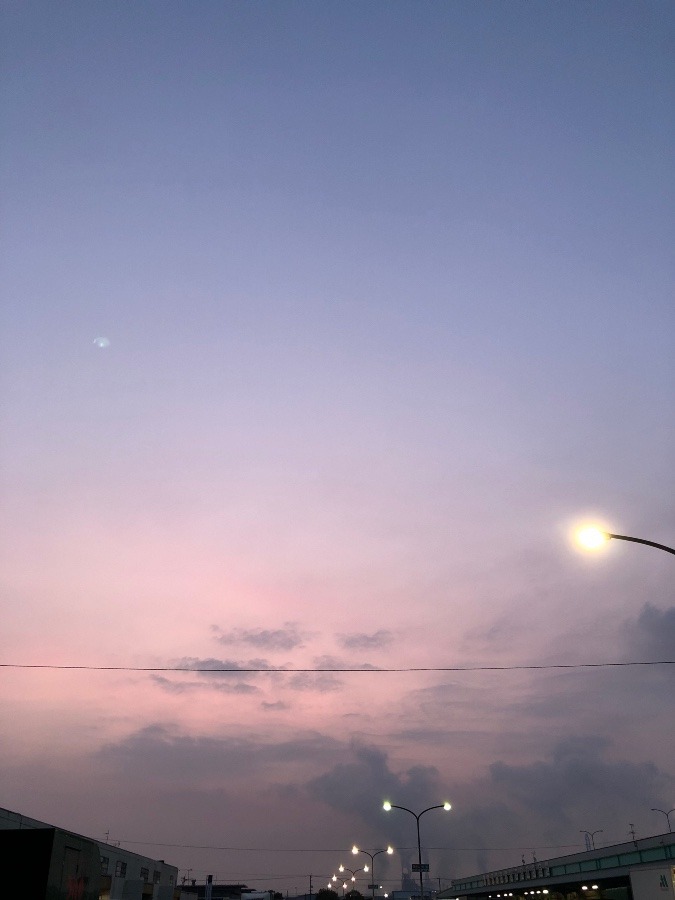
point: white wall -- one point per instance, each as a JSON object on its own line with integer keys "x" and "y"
{"x": 655, "y": 883}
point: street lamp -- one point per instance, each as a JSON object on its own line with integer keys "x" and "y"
{"x": 353, "y": 871}
{"x": 372, "y": 856}
{"x": 591, "y": 836}
{"x": 590, "y": 538}
{"x": 344, "y": 884}
{"x": 666, "y": 814}
{"x": 388, "y": 806}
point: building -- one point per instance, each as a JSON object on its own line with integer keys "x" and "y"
{"x": 62, "y": 865}
{"x": 636, "y": 870}
{"x": 214, "y": 891}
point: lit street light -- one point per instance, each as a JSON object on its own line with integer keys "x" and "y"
{"x": 666, "y": 814}
{"x": 591, "y": 538}
{"x": 372, "y": 856}
{"x": 388, "y": 806}
{"x": 353, "y": 871}
{"x": 344, "y": 884}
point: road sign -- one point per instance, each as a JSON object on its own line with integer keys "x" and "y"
{"x": 374, "y": 887}
{"x": 423, "y": 867}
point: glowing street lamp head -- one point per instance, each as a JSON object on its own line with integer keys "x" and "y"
{"x": 446, "y": 806}
{"x": 390, "y": 850}
{"x": 355, "y": 849}
{"x": 365, "y": 868}
{"x": 386, "y": 805}
{"x": 590, "y": 537}
{"x": 341, "y": 868}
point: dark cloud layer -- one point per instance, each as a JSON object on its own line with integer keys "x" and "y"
{"x": 225, "y": 687}
{"x": 361, "y": 784}
{"x": 365, "y": 641}
{"x": 651, "y": 636}
{"x": 162, "y": 754}
{"x": 543, "y": 804}
{"x": 335, "y": 662}
{"x": 290, "y": 637}
{"x": 323, "y": 682}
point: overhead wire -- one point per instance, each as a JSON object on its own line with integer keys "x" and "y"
{"x": 370, "y": 670}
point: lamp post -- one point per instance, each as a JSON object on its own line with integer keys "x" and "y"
{"x": 591, "y": 538}
{"x": 372, "y": 856}
{"x": 352, "y": 872}
{"x": 666, "y": 814}
{"x": 388, "y": 806}
{"x": 344, "y": 883}
{"x": 591, "y": 836}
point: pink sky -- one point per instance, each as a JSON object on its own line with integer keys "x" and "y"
{"x": 388, "y": 296}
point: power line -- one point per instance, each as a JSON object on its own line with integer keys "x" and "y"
{"x": 370, "y": 670}
{"x": 342, "y": 849}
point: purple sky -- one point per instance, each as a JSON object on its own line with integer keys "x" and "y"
{"x": 388, "y": 295}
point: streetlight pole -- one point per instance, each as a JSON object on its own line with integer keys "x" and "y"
{"x": 342, "y": 868}
{"x": 591, "y": 538}
{"x": 666, "y": 814}
{"x": 446, "y": 806}
{"x": 353, "y": 872}
{"x": 372, "y": 856}
{"x": 635, "y": 540}
{"x": 591, "y": 836}
{"x": 344, "y": 883}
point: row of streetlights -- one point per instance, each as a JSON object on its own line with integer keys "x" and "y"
{"x": 353, "y": 872}
{"x": 591, "y": 538}
{"x": 387, "y": 806}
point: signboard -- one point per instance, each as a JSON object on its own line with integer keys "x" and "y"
{"x": 374, "y": 887}
{"x": 420, "y": 867}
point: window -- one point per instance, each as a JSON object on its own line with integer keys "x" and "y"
{"x": 155, "y": 876}
{"x": 653, "y": 853}
{"x": 120, "y": 868}
{"x": 145, "y": 874}
{"x": 104, "y": 865}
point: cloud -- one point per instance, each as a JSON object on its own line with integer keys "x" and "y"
{"x": 652, "y": 635}
{"x": 215, "y": 667}
{"x": 182, "y": 687}
{"x": 290, "y": 637}
{"x": 364, "y": 641}
{"x": 542, "y": 805}
{"x": 334, "y": 662}
{"x": 211, "y": 677}
{"x": 578, "y": 782}
{"x": 159, "y": 753}
{"x": 362, "y": 784}
{"x": 323, "y": 682}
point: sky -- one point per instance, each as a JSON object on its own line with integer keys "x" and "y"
{"x": 323, "y": 326}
